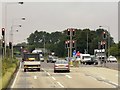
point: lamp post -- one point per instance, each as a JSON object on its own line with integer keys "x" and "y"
{"x": 11, "y": 33}
{"x": 5, "y": 12}
{"x": 44, "y": 44}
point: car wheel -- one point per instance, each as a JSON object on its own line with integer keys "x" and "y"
{"x": 38, "y": 69}
{"x": 24, "y": 70}
{"x": 54, "y": 71}
{"x": 68, "y": 71}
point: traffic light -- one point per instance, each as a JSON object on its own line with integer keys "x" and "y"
{"x": 3, "y": 31}
{"x": 104, "y": 44}
{"x": 3, "y": 43}
{"x": 68, "y": 32}
{"x": 68, "y": 44}
{"x": 73, "y": 32}
{"x": 73, "y": 43}
{"x": 104, "y": 35}
{"x": 10, "y": 45}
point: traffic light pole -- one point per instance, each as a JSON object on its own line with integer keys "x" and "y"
{"x": 70, "y": 43}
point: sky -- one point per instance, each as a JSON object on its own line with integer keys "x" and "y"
{"x": 58, "y": 16}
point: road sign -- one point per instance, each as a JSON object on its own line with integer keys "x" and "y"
{"x": 74, "y": 53}
{"x": 78, "y": 53}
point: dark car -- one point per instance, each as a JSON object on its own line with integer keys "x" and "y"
{"x": 52, "y": 59}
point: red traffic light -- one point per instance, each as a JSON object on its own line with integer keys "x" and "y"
{"x": 3, "y": 31}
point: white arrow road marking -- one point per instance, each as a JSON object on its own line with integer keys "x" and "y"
{"x": 60, "y": 84}
{"x": 13, "y": 84}
{"x": 68, "y": 76}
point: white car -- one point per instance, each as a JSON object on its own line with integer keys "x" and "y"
{"x": 111, "y": 59}
{"x": 61, "y": 65}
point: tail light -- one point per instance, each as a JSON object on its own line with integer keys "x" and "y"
{"x": 67, "y": 65}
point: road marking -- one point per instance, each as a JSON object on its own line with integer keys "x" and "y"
{"x": 109, "y": 84}
{"x": 68, "y": 76}
{"x": 48, "y": 74}
{"x": 60, "y": 84}
{"x": 53, "y": 78}
{"x": 35, "y": 77}
{"x": 113, "y": 83}
{"x": 13, "y": 84}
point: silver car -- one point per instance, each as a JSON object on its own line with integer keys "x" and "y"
{"x": 61, "y": 65}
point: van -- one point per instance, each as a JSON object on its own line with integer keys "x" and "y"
{"x": 85, "y": 58}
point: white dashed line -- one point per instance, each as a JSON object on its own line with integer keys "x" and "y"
{"x": 35, "y": 77}
{"x": 48, "y": 74}
{"x": 60, "y": 84}
{"x": 53, "y": 78}
{"x": 16, "y": 76}
{"x": 68, "y": 76}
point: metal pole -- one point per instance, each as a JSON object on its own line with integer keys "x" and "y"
{"x": 87, "y": 42}
{"x": 44, "y": 45}
{"x": 12, "y": 42}
{"x": 70, "y": 43}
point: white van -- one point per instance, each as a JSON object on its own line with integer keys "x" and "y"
{"x": 85, "y": 58}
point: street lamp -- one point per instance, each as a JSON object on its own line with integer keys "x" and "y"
{"x": 5, "y": 12}
{"x": 11, "y": 34}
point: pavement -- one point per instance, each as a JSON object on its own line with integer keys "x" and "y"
{"x": 79, "y": 77}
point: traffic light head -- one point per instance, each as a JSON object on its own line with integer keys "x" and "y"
{"x": 3, "y": 31}
{"x": 73, "y": 43}
{"x": 104, "y": 35}
{"x": 73, "y": 32}
{"x": 68, "y": 32}
{"x": 3, "y": 43}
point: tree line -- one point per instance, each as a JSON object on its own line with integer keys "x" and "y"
{"x": 55, "y": 41}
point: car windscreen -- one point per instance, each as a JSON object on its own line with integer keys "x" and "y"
{"x": 86, "y": 57}
{"x": 32, "y": 57}
{"x": 61, "y": 62}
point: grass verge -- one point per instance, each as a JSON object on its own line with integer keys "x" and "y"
{"x": 8, "y": 71}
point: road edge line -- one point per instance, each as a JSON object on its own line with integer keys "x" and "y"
{"x": 16, "y": 76}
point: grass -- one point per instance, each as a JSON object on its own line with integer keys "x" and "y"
{"x": 8, "y": 69}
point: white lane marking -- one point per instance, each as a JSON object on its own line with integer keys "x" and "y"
{"x": 53, "y": 78}
{"x": 35, "y": 77}
{"x": 114, "y": 83}
{"x": 60, "y": 84}
{"x": 109, "y": 84}
{"x": 48, "y": 74}
{"x": 68, "y": 76}
{"x": 13, "y": 84}
{"x": 103, "y": 78}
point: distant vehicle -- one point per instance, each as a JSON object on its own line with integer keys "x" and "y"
{"x": 94, "y": 60}
{"x": 111, "y": 59}
{"x": 41, "y": 58}
{"x": 100, "y": 54}
{"x": 52, "y": 59}
{"x": 85, "y": 59}
{"x": 39, "y": 51}
{"x": 31, "y": 61}
{"x": 61, "y": 65}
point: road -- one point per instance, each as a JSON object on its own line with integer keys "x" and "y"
{"x": 82, "y": 77}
